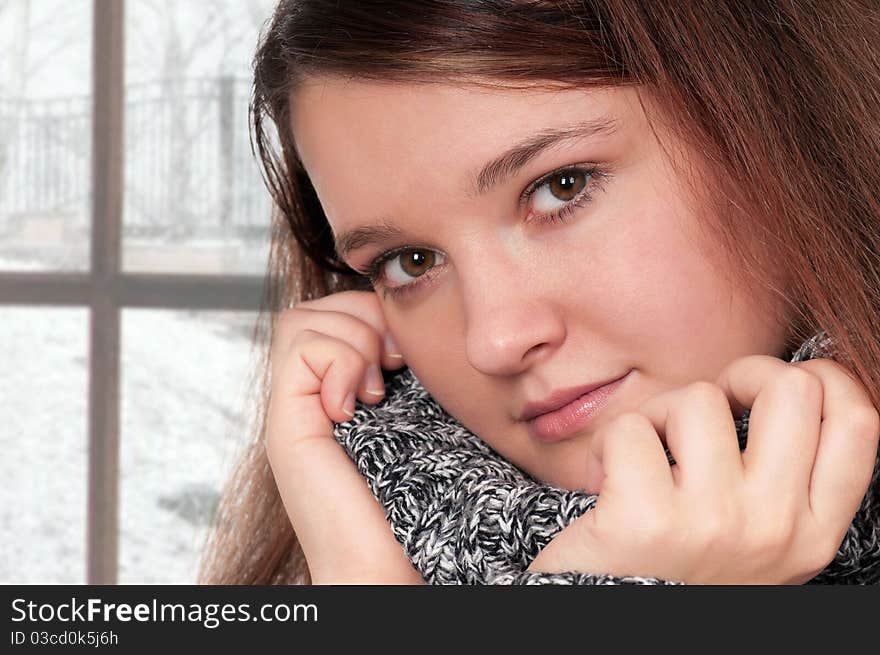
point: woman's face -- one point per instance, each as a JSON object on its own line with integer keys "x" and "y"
{"x": 551, "y": 245}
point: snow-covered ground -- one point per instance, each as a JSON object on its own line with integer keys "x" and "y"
{"x": 183, "y": 420}
{"x": 183, "y": 374}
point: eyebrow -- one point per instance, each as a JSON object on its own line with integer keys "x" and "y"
{"x": 490, "y": 175}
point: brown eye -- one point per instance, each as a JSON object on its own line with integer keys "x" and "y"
{"x": 416, "y": 263}
{"x": 409, "y": 267}
{"x": 557, "y": 195}
{"x": 566, "y": 185}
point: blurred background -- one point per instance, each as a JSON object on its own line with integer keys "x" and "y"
{"x": 127, "y": 302}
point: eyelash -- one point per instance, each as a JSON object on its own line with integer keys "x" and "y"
{"x": 594, "y": 179}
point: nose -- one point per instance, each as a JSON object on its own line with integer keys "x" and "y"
{"x": 511, "y": 323}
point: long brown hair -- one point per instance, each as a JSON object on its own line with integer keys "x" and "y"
{"x": 780, "y": 99}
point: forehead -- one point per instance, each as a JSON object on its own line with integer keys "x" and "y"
{"x": 385, "y": 115}
{"x": 375, "y": 99}
{"x": 355, "y": 136}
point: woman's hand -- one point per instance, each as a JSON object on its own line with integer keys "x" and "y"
{"x": 325, "y": 353}
{"x": 774, "y": 514}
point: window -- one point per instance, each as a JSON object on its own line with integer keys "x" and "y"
{"x": 133, "y": 237}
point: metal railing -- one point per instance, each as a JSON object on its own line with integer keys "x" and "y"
{"x": 188, "y": 167}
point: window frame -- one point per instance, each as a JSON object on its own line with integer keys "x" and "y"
{"x": 105, "y": 290}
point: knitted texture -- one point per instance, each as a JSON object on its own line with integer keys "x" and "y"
{"x": 465, "y": 515}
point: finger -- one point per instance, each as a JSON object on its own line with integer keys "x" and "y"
{"x": 632, "y": 460}
{"x": 697, "y": 424}
{"x": 357, "y": 334}
{"x": 340, "y": 367}
{"x": 784, "y": 422}
{"x": 364, "y": 306}
{"x": 362, "y": 334}
{"x": 336, "y": 517}
{"x": 847, "y": 448}
{"x": 316, "y": 366}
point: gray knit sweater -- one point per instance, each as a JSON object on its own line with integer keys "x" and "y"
{"x": 465, "y": 515}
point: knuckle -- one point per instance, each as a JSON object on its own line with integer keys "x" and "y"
{"x": 818, "y": 556}
{"x": 351, "y": 358}
{"x": 286, "y": 345}
{"x": 864, "y": 420}
{"x": 705, "y": 392}
{"x": 718, "y": 531}
{"x": 353, "y": 301}
{"x": 746, "y": 363}
{"x": 305, "y": 336}
{"x": 825, "y": 551}
{"x": 823, "y": 367}
{"x": 350, "y": 294}
{"x": 772, "y": 538}
{"x": 629, "y": 422}
{"x": 710, "y": 534}
{"x": 293, "y": 327}
{"x": 832, "y": 373}
{"x": 754, "y": 360}
{"x": 800, "y": 381}
{"x": 366, "y": 338}
{"x": 287, "y": 323}
{"x": 339, "y": 352}
{"x": 652, "y": 527}
{"x": 817, "y": 549}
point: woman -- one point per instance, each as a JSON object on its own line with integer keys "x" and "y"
{"x": 658, "y": 202}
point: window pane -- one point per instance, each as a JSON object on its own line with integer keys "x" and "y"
{"x": 194, "y": 199}
{"x": 45, "y": 134}
{"x": 43, "y": 396}
{"x": 184, "y": 381}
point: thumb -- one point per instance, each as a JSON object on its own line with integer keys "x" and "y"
{"x": 575, "y": 548}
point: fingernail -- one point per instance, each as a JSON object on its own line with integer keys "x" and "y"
{"x": 374, "y": 381}
{"x": 391, "y": 348}
{"x": 348, "y": 405}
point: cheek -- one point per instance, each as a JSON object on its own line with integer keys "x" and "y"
{"x": 663, "y": 303}
{"x": 646, "y": 277}
{"x": 670, "y": 285}
{"x": 430, "y": 337}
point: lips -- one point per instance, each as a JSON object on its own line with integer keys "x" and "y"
{"x": 562, "y": 419}
{"x": 559, "y": 399}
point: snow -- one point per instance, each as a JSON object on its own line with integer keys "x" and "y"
{"x": 183, "y": 420}
{"x": 183, "y": 374}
